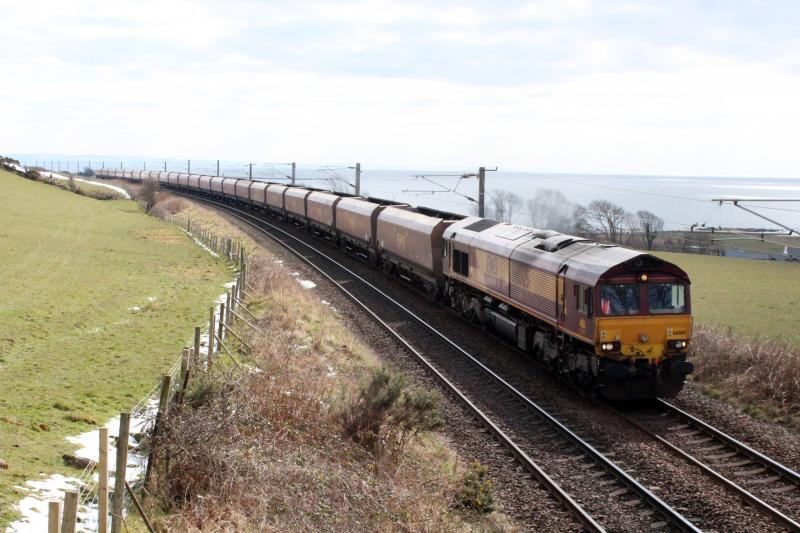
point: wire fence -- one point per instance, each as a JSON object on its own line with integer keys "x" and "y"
{"x": 145, "y": 416}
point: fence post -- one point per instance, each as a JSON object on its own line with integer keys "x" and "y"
{"x": 184, "y": 363}
{"x": 70, "y": 516}
{"x": 228, "y": 309}
{"x": 54, "y": 517}
{"x": 197, "y": 343}
{"x": 221, "y": 319}
{"x": 102, "y": 484}
{"x": 163, "y": 404}
{"x": 119, "y": 475}
{"x": 211, "y": 329}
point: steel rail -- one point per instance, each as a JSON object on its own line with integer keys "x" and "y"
{"x": 746, "y": 495}
{"x": 744, "y": 449}
{"x": 524, "y": 458}
{"x": 653, "y": 500}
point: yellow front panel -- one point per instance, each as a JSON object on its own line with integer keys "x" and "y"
{"x": 643, "y": 336}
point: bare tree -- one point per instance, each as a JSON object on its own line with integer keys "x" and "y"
{"x": 503, "y": 204}
{"x": 337, "y": 185}
{"x": 550, "y": 209}
{"x": 606, "y": 217}
{"x": 146, "y": 197}
{"x": 580, "y": 225}
{"x": 651, "y": 225}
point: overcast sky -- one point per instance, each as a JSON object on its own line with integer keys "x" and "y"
{"x": 669, "y": 87}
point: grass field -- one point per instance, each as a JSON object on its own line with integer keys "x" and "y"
{"x": 750, "y": 297}
{"x": 98, "y": 299}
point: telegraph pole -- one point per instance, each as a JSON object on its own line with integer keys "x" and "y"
{"x": 481, "y": 191}
{"x": 294, "y": 167}
{"x": 358, "y": 179}
{"x": 189, "y": 166}
{"x": 165, "y": 166}
{"x": 251, "y": 170}
{"x": 144, "y": 165}
{"x": 217, "y": 167}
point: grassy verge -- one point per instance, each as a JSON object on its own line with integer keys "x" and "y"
{"x": 744, "y": 296}
{"x": 746, "y": 344}
{"x": 319, "y": 437}
{"x": 99, "y": 300}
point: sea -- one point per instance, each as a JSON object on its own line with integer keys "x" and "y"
{"x": 681, "y": 201}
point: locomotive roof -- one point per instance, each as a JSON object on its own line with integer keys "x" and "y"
{"x": 585, "y": 260}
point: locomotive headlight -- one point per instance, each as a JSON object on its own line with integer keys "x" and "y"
{"x": 610, "y": 346}
{"x": 677, "y": 345}
{"x": 643, "y": 277}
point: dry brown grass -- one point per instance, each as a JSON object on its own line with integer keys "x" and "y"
{"x": 263, "y": 447}
{"x": 760, "y": 374}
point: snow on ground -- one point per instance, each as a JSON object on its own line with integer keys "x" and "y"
{"x": 306, "y": 283}
{"x": 33, "y": 507}
{"x": 114, "y": 188}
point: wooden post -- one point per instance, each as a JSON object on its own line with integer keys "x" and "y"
{"x": 163, "y": 405}
{"x": 211, "y": 329}
{"x": 221, "y": 319}
{"x": 119, "y": 476}
{"x": 184, "y": 362}
{"x": 227, "y": 307}
{"x": 70, "y": 516}
{"x": 163, "y": 400}
{"x": 102, "y": 484}
{"x": 196, "y": 343}
{"x": 54, "y": 517}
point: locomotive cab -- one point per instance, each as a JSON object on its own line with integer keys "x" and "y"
{"x": 642, "y": 329}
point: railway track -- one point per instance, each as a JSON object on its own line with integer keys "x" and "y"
{"x": 526, "y": 428}
{"x": 762, "y": 482}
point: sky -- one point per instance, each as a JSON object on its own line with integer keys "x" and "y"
{"x": 608, "y": 86}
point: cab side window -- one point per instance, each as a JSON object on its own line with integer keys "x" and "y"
{"x": 583, "y": 299}
{"x": 461, "y": 263}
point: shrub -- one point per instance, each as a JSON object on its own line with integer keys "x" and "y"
{"x": 477, "y": 490}
{"x": 87, "y": 172}
{"x": 147, "y": 194}
{"x": 387, "y": 413}
{"x": 758, "y": 371}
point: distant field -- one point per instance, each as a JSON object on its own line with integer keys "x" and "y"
{"x": 72, "y": 348}
{"x": 749, "y": 296}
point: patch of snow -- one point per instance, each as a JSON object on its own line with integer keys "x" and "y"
{"x": 114, "y": 188}
{"x": 306, "y": 283}
{"x": 33, "y": 507}
{"x": 295, "y": 274}
{"x": 152, "y": 298}
{"x": 134, "y": 309}
{"x": 331, "y": 372}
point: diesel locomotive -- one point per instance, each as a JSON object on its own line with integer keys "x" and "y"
{"x": 612, "y": 319}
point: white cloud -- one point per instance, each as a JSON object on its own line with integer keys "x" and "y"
{"x": 683, "y": 111}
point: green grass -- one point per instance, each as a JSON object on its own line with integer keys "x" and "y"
{"x": 750, "y": 297}
{"x": 91, "y": 188}
{"x": 71, "y": 351}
